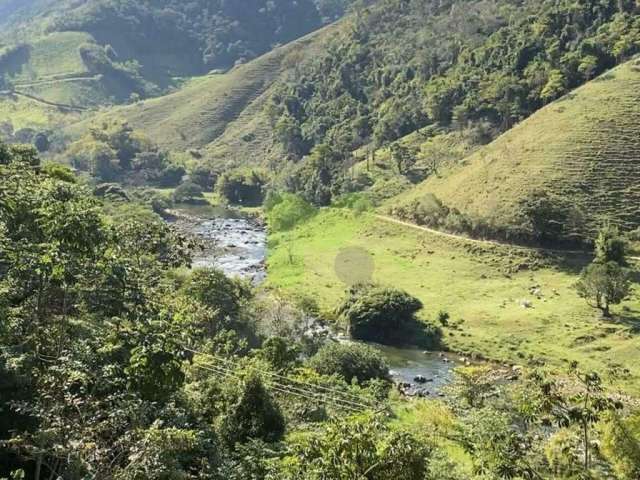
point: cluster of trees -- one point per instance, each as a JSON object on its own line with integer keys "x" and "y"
{"x": 544, "y": 219}
{"x": 479, "y": 63}
{"x": 112, "y": 150}
{"x": 377, "y": 313}
{"x": 242, "y": 187}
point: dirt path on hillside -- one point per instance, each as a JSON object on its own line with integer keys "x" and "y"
{"x": 53, "y": 81}
{"x": 483, "y": 242}
{"x": 61, "y": 106}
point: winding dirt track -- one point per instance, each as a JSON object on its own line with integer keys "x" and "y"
{"x": 388, "y": 219}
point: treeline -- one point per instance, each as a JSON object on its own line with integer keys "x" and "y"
{"x": 406, "y": 65}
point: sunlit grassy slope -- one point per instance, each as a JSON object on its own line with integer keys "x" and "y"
{"x": 584, "y": 147}
{"x": 481, "y": 287}
{"x": 220, "y": 113}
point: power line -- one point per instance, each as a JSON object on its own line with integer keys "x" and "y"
{"x": 301, "y": 391}
{"x": 354, "y": 398}
{"x": 287, "y": 389}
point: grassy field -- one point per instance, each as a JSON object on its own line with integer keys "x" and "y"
{"x": 23, "y": 112}
{"x": 482, "y": 289}
{"x": 52, "y": 57}
{"x": 584, "y": 148}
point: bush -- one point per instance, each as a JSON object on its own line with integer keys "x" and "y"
{"x": 188, "y": 192}
{"x": 350, "y": 361}
{"x": 288, "y": 212}
{"x": 160, "y": 204}
{"x": 244, "y": 187}
{"x": 385, "y": 315}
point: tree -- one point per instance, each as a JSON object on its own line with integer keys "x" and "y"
{"x": 254, "y": 416}
{"x": 380, "y": 314}
{"x": 549, "y": 219}
{"x": 41, "y": 142}
{"x": 611, "y": 246}
{"x": 225, "y": 296}
{"x": 556, "y": 86}
{"x": 603, "y": 285}
{"x": 403, "y": 157}
{"x": 279, "y": 352}
{"x": 359, "y": 448}
{"x": 584, "y": 407}
{"x": 244, "y": 187}
{"x": 171, "y": 176}
{"x": 205, "y": 177}
{"x": 621, "y": 443}
{"x": 350, "y": 361}
{"x": 473, "y": 385}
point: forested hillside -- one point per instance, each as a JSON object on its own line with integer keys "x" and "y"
{"x": 477, "y": 66}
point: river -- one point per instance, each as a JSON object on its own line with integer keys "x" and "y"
{"x": 231, "y": 242}
{"x": 237, "y": 245}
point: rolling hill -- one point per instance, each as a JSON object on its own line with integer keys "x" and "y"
{"x": 75, "y": 56}
{"x": 582, "y": 151}
{"x": 220, "y": 114}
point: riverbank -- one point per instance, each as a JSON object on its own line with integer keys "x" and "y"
{"x": 513, "y": 307}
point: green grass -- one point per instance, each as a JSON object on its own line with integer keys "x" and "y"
{"x": 53, "y": 56}
{"x": 473, "y": 284}
{"x": 23, "y": 112}
{"x": 584, "y": 148}
{"x": 221, "y": 114}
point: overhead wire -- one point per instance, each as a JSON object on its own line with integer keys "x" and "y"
{"x": 353, "y": 398}
{"x": 306, "y": 391}
{"x": 284, "y": 389}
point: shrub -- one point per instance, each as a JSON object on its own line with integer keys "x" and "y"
{"x": 290, "y": 211}
{"x": 350, "y": 361}
{"x": 244, "y": 187}
{"x": 381, "y": 314}
{"x": 188, "y": 192}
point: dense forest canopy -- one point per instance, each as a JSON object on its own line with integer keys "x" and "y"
{"x": 486, "y": 65}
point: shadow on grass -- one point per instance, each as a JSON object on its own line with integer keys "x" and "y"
{"x": 571, "y": 263}
{"x": 628, "y": 318}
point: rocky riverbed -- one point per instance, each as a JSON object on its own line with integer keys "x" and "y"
{"x": 233, "y": 243}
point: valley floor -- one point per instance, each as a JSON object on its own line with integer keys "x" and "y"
{"x": 508, "y": 304}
